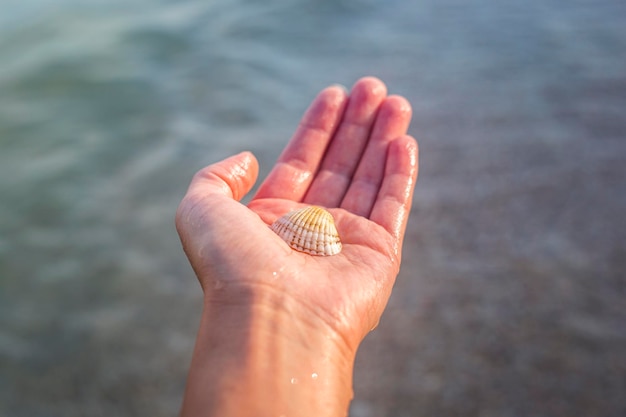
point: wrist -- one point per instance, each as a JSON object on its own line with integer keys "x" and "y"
{"x": 260, "y": 351}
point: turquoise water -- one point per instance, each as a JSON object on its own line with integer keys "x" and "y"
{"x": 511, "y": 296}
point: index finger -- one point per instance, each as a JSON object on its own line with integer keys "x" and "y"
{"x": 296, "y": 167}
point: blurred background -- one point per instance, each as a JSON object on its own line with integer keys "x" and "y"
{"x": 512, "y": 296}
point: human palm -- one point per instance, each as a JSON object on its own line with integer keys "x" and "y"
{"x": 350, "y": 155}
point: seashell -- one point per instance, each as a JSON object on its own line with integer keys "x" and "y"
{"x": 311, "y": 230}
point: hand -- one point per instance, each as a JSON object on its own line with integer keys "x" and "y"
{"x": 349, "y": 154}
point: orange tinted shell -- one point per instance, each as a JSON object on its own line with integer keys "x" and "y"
{"x": 311, "y": 230}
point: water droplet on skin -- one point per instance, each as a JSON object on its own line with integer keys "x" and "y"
{"x": 278, "y": 274}
{"x": 294, "y": 381}
{"x": 314, "y": 375}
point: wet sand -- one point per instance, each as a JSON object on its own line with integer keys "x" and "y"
{"x": 512, "y": 296}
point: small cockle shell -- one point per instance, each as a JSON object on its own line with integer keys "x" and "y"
{"x": 311, "y": 230}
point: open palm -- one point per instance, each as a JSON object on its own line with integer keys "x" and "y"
{"x": 351, "y": 155}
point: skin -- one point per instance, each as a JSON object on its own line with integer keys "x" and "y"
{"x": 280, "y": 329}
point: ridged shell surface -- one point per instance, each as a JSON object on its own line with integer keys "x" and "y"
{"x": 311, "y": 230}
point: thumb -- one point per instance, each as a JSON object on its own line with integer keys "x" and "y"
{"x": 211, "y": 196}
{"x": 231, "y": 177}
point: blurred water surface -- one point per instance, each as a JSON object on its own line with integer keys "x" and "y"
{"x": 511, "y": 300}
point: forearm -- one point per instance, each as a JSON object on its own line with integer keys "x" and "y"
{"x": 260, "y": 356}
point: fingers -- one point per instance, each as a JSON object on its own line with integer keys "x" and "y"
{"x": 393, "y": 200}
{"x": 343, "y": 154}
{"x": 337, "y": 156}
{"x": 232, "y": 177}
{"x": 391, "y": 122}
{"x": 292, "y": 175}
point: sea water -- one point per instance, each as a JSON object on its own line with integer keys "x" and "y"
{"x": 107, "y": 108}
